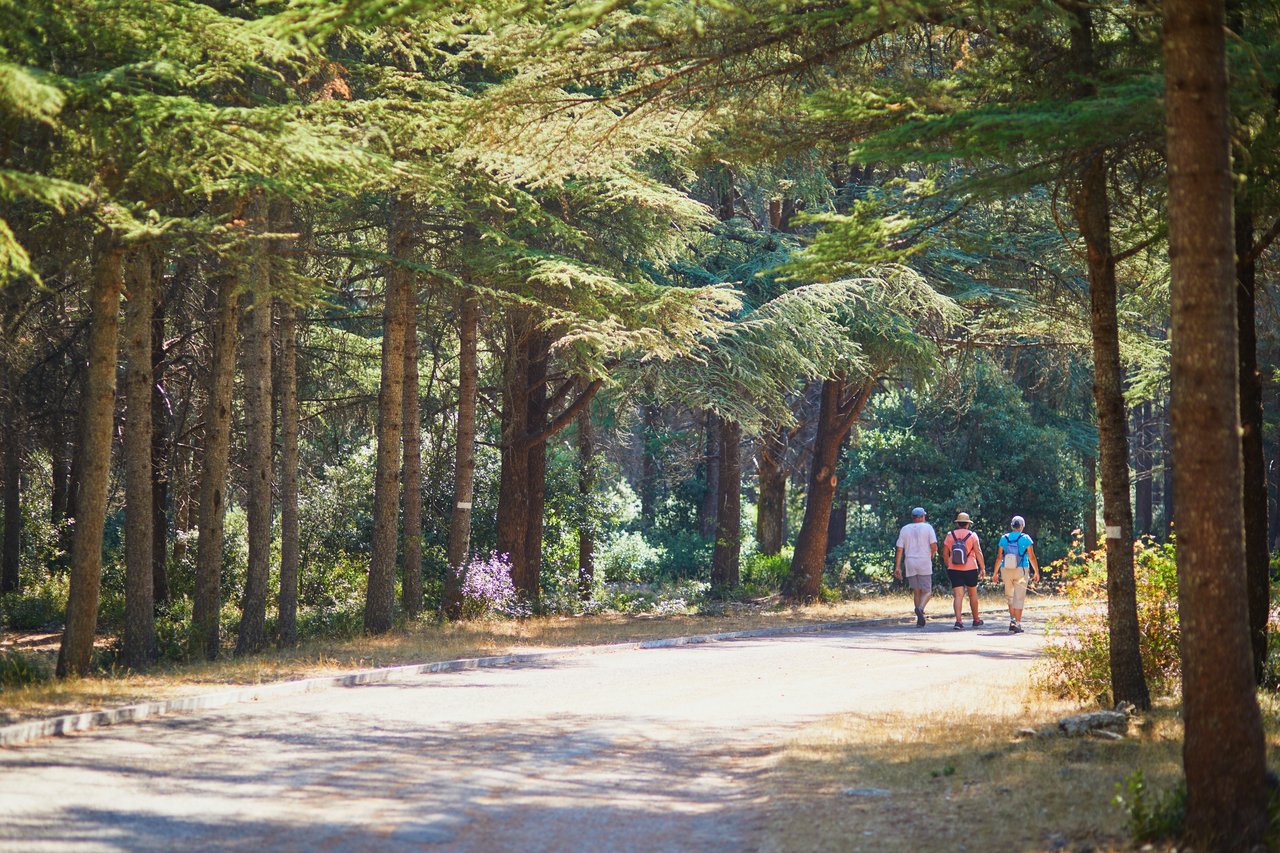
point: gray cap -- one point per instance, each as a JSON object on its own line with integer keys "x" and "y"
{"x": 918, "y": 512}
{"x": 1017, "y": 522}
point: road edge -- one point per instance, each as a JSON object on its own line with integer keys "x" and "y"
{"x": 17, "y": 734}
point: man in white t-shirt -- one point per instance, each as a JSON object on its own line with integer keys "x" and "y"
{"x": 917, "y": 547}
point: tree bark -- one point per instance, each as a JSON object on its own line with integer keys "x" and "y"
{"x": 1091, "y": 503}
{"x": 711, "y": 467}
{"x": 139, "y": 644}
{"x": 1092, "y": 212}
{"x": 60, "y": 468}
{"x": 839, "y": 409}
{"x": 411, "y": 589}
{"x": 259, "y": 444}
{"x": 11, "y": 471}
{"x": 211, "y": 520}
{"x": 1223, "y": 748}
{"x": 380, "y": 599}
{"x": 513, "y": 477}
{"x": 771, "y": 509}
{"x": 649, "y": 465}
{"x": 1257, "y": 554}
{"x": 727, "y": 553}
{"x": 838, "y": 524}
{"x": 97, "y": 416}
{"x": 289, "y": 532}
{"x": 465, "y": 454}
{"x": 539, "y": 354}
{"x": 1142, "y": 471}
{"x": 586, "y": 524}
{"x": 160, "y": 449}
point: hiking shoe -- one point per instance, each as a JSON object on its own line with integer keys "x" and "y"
{"x": 919, "y": 618}
{"x": 1013, "y": 627}
{"x": 978, "y": 623}
{"x": 959, "y": 626}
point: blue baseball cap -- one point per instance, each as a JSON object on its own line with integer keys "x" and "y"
{"x": 918, "y": 512}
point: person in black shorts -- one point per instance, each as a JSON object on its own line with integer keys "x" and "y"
{"x": 964, "y": 573}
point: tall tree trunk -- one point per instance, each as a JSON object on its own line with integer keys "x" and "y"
{"x": 1257, "y": 555}
{"x": 289, "y": 544}
{"x": 771, "y": 509}
{"x": 411, "y": 589}
{"x": 1093, "y": 216}
{"x": 60, "y": 466}
{"x": 648, "y": 465}
{"x": 586, "y": 524}
{"x": 838, "y": 524}
{"x": 1091, "y": 503}
{"x": 139, "y": 646}
{"x": 711, "y": 466}
{"x": 838, "y": 411}
{"x": 380, "y": 600}
{"x": 259, "y": 444}
{"x": 97, "y": 416}
{"x": 211, "y": 521}
{"x": 160, "y": 450}
{"x": 513, "y": 477}
{"x": 12, "y": 473}
{"x": 726, "y": 555}
{"x": 1166, "y": 494}
{"x": 464, "y": 473}
{"x": 1142, "y": 470}
{"x": 1223, "y": 751}
{"x": 539, "y": 354}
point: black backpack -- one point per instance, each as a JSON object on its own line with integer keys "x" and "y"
{"x": 959, "y": 555}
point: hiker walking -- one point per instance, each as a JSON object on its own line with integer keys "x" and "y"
{"x": 917, "y": 546}
{"x": 965, "y": 567}
{"x": 1015, "y": 555}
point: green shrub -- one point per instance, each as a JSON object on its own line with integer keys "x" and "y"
{"x": 1153, "y": 815}
{"x": 17, "y": 670}
{"x": 627, "y": 557}
{"x": 764, "y": 575}
{"x": 1078, "y": 650}
{"x": 41, "y": 604}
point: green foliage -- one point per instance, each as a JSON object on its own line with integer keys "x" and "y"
{"x": 40, "y": 604}
{"x": 764, "y": 575}
{"x": 19, "y": 670}
{"x": 971, "y": 444}
{"x": 1078, "y": 650}
{"x": 627, "y": 558}
{"x": 1153, "y": 815}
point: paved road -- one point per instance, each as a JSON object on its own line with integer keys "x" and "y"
{"x": 652, "y": 750}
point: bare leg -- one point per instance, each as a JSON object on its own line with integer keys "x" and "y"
{"x": 973, "y": 603}
{"x": 958, "y": 602}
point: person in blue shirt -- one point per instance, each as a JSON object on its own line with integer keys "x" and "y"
{"x": 1014, "y": 556}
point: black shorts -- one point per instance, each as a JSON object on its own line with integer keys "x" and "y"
{"x": 960, "y": 578}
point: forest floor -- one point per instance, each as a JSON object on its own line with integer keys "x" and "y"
{"x": 419, "y": 642}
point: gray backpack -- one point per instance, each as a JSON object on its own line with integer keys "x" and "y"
{"x": 959, "y": 554}
{"x": 1013, "y": 558}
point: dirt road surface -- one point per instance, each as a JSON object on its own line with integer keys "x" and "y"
{"x": 646, "y": 750}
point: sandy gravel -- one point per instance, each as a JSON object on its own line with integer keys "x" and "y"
{"x": 653, "y": 750}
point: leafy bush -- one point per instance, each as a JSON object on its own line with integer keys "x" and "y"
{"x": 628, "y": 558}
{"x": 1153, "y": 815}
{"x": 763, "y": 575}
{"x": 17, "y": 670}
{"x": 41, "y": 604}
{"x": 1078, "y": 650}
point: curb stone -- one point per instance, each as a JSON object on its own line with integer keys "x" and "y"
{"x": 21, "y": 733}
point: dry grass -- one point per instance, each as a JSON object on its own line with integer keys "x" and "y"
{"x": 419, "y": 643}
{"x": 959, "y": 778}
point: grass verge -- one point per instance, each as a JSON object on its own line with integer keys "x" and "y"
{"x": 952, "y": 774}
